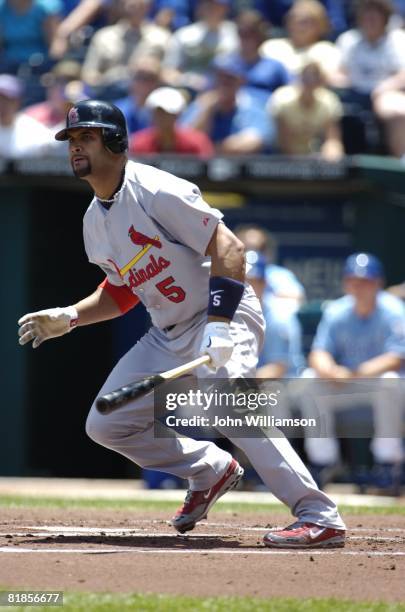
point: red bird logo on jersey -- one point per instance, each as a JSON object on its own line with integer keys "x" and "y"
{"x": 142, "y": 240}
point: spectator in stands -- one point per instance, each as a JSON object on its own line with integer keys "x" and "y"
{"x": 388, "y": 103}
{"x": 191, "y": 50}
{"x": 275, "y": 11}
{"x": 173, "y": 14}
{"x": 113, "y": 48}
{"x": 281, "y": 283}
{"x": 63, "y": 88}
{"x": 360, "y": 336}
{"x": 281, "y": 355}
{"x": 307, "y": 115}
{"x": 27, "y": 29}
{"x": 20, "y": 135}
{"x": 146, "y": 76}
{"x": 372, "y": 65}
{"x": 263, "y": 75}
{"x": 233, "y": 118}
{"x": 80, "y": 19}
{"x": 371, "y": 54}
{"x": 307, "y": 26}
{"x": 165, "y": 136}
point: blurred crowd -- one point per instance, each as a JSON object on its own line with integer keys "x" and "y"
{"x": 238, "y": 77}
{"x": 303, "y": 77}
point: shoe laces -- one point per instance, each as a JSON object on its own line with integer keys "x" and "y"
{"x": 188, "y": 497}
{"x": 295, "y": 525}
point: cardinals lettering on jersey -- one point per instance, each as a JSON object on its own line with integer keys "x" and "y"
{"x": 139, "y": 276}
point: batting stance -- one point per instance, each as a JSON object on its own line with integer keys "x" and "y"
{"x": 152, "y": 234}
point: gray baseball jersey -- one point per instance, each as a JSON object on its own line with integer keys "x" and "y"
{"x": 154, "y": 239}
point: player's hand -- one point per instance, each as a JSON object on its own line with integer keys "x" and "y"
{"x": 45, "y": 324}
{"x": 217, "y": 343}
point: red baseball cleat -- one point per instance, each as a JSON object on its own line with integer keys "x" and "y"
{"x": 197, "y": 503}
{"x": 305, "y": 535}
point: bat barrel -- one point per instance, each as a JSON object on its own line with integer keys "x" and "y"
{"x": 109, "y": 402}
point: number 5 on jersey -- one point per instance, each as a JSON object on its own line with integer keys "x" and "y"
{"x": 174, "y": 293}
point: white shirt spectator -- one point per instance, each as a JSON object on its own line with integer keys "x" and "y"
{"x": 113, "y": 48}
{"x": 367, "y": 65}
{"x": 24, "y": 137}
{"x": 192, "y": 48}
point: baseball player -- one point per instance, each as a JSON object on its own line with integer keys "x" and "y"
{"x": 360, "y": 336}
{"x": 152, "y": 234}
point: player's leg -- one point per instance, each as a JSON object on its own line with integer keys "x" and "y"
{"x": 274, "y": 459}
{"x": 130, "y": 430}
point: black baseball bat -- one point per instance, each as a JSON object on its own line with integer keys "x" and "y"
{"x": 109, "y": 402}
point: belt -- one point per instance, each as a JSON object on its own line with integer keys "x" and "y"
{"x": 167, "y": 329}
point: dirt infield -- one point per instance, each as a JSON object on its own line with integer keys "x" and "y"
{"x": 122, "y": 551}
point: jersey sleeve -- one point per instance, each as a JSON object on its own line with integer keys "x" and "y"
{"x": 180, "y": 209}
{"x": 122, "y": 295}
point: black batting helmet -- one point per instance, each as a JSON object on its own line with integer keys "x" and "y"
{"x": 98, "y": 114}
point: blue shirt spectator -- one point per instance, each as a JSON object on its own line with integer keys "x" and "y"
{"x": 27, "y": 30}
{"x": 233, "y": 117}
{"x": 283, "y": 340}
{"x": 246, "y": 115}
{"x": 263, "y": 74}
{"x": 360, "y": 336}
{"x": 352, "y": 339}
{"x": 282, "y": 282}
{"x": 146, "y": 77}
{"x": 281, "y": 355}
{"x": 137, "y": 117}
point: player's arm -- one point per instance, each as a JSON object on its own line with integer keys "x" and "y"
{"x": 226, "y": 286}
{"x": 227, "y": 254}
{"x": 106, "y": 302}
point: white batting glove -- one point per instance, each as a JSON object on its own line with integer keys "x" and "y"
{"x": 45, "y": 324}
{"x": 217, "y": 343}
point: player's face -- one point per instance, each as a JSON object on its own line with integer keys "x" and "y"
{"x": 362, "y": 288}
{"x": 86, "y": 151}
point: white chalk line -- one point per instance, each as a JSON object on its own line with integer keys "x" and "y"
{"x": 351, "y": 529}
{"x": 96, "y": 533}
{"x": 122, "y": 530}
{"x": 137, "y": 531}
{"x": 205, "y": 552}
